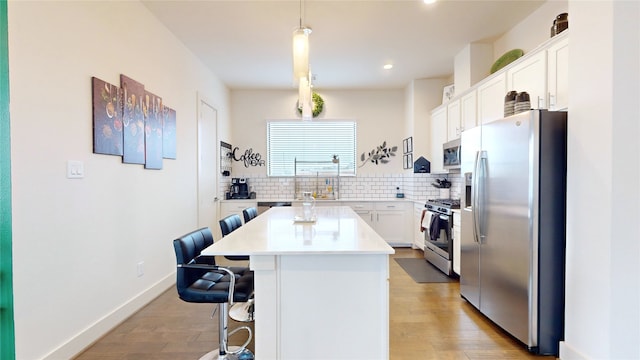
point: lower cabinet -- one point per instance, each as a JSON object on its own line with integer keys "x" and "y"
{"x": 390, "y": 219}
{"x": 456, "y": 242}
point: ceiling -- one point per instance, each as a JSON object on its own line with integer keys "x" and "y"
{"x": 248, "y": 44}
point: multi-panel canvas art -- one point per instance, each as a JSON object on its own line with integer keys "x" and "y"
{"x": 107, "y": 118}
{"x": 133, "y": 119}
{"x": 169, "y": 134}
{"x": 133, "y": 123}
{"x": 152, "y": 110}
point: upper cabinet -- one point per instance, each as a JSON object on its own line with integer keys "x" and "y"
{"x": 530, "y": 75}
{"x": 491, "y": 98}
{"x": 558, "y": 75}
{"x": 468, "y": 111}
{"x": 542, "y": 73}
{"x": 453, "y": 120}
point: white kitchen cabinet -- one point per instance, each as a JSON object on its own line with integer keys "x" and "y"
{"x": 491, "y": 95}
{"x": 364, "y": 209}
{"x": 235, "y": 207}
{"x": 453, "y": 120}
{"x": 558, "y": 74}
{"x": 390, "y": 219}
{"x": 468, "y": 111}
{"x": 393, "y": 222}
{"x": 530, "y": 75}
{"x": 456, "y": 242}
{"x": 438, "y": 137}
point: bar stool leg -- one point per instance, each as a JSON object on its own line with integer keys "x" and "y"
{"x": 224, "y": 352}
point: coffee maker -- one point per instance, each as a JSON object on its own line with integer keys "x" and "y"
{"x": 239, "y": 189}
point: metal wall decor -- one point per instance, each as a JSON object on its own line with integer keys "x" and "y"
{"x": 249, "y": 157}
{"x": 379, "y": 155}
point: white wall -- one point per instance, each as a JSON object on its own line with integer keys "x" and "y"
{"x": 379, "y": 115}
{"x": 603, "y": 254}
{"x": 427, "y": 95}
{"x": 76, "y": 243}
{"x": 532, "y": 31}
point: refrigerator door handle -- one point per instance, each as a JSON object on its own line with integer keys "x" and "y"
{"x": 474, "y": 199}
{"x": 480, "y": 175}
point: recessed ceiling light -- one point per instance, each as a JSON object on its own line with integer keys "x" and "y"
{"x": 388, "y": 66}
{"x": 429, "y": 1}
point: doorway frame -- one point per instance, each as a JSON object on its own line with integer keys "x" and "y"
{"x": 204, "y": 101}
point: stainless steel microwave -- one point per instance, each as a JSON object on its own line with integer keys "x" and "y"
{"x": 451, "y": 154}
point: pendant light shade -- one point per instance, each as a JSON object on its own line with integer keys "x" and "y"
{"x": 300, "y": 53}
{"x": 301, "y": 69}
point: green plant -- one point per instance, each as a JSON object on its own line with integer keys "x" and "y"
{"x": 318, "y": 105}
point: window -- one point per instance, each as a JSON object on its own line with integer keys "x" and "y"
{"x": 310, "y": 141}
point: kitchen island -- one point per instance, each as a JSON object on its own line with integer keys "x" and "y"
{"x": 321, "y": 288}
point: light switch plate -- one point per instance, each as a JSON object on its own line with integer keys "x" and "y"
{"x": 75, "y": 169}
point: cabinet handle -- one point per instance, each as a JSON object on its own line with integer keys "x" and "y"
{"x": 391, "y": 206}
{"x": 540, "y": 103}
{"x": 552, "y": 100}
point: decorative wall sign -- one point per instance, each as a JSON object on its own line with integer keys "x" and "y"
{"x": 379, "y": 155}
{"x": 133, "y": 123}
{"x": 448, "y": 93}
{"x": 107, "y": 118}
{"x": 249, "y": 158}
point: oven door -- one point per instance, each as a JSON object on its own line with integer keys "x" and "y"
{"x": 438, "y": 249}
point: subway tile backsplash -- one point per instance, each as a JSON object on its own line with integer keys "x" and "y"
{"x": 361, "y": 187}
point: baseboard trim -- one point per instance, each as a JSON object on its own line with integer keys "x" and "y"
{"x": 94, "y": 332}
{"x": 567, "y": 352}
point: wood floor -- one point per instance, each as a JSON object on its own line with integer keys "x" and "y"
{"x": 427, "y": 321}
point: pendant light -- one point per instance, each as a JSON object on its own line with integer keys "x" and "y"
{"x": 301, "y": 69}
{"x": 300, "y": 51}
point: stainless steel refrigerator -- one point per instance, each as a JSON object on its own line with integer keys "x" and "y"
{"x": 513, "y": 225}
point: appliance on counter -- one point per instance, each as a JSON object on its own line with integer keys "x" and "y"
{"x": 513, "y": 225}
{"x": 438, "y": 243}
{"x": 239, "y": 189}
{"x": 451, "y": 154}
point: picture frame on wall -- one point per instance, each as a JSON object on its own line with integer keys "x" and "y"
{"x": 448, "y": 92}
{"x": 407, "y": 161}
{"x": 407, "y": 145}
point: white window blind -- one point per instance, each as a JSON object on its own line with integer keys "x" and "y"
{"x": 310, "y": 141}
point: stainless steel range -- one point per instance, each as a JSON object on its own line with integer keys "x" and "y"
{"x": 438, "y": 249}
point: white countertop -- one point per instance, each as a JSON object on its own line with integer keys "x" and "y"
{"x": 337, "y": 230}
{"x": 324, "y": 200}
